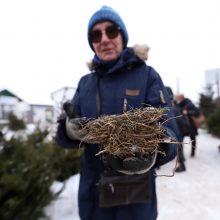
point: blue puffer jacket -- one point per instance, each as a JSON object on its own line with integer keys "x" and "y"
{"x": 130, "y": 78}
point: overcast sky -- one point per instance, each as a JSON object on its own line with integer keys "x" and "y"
{"x": 43, "y": 43}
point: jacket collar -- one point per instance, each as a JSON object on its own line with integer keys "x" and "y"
{"x": 128, "y": 57}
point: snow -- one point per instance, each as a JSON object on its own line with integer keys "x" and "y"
{"x": 190, "y": 195}
{"x": 193, "y": 194}
{"x": 66, "y": 206}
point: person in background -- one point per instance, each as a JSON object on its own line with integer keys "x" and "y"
{"x": 189, "y": 110}
{"x": 119, "y": 80}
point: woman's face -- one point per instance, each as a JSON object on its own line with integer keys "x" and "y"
{"x": 107, "y": 41}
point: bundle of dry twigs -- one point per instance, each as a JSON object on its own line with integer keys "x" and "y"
{"x": 134, "y": 133}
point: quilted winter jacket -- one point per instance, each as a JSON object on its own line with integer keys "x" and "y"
{"x": 102, "y": 92}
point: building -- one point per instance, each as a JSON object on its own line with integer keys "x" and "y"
{"x": 212, "y": 78}
{"x": 30, "y": 113}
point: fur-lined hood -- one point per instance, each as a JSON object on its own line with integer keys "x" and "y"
{"x": 140, "y": 50}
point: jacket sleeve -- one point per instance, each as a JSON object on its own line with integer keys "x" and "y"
{"x": 170, "y": 150}
{"x": 158, "y": 97}
{"x": 192, "y": 109}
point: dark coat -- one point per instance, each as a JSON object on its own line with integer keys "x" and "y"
{"x": 192, "y": 110}
{"x": 183, "y": 122}
{"x": 130, "y": 78}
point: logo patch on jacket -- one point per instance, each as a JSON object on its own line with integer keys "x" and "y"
{"x": 132, "y": 92}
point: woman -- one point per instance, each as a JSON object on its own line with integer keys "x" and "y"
{"x": 119, "y": 80}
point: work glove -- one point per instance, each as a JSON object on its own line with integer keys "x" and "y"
{"x": 131, "y": 165}
{"x": 75, "y": 130}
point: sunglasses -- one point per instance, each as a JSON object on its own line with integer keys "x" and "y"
{"x": 111, "y": 32}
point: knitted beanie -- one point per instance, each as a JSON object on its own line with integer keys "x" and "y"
{"x": 107, "y": 14}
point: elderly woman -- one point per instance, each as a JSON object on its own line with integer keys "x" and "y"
{"x": 119, "y": 80}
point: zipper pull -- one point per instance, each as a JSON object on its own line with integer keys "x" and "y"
{"x": 125, "y": 105}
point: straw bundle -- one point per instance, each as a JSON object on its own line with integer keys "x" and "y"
{"x": 134, "y": 133}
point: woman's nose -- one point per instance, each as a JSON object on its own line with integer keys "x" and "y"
{"x": 104, "y": 36}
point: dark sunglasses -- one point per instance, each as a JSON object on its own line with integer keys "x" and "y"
{"x": 111, "y": 32}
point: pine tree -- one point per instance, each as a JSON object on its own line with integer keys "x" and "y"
{"x": 206, "y": 102}
{"x": 28, "y": 167}
{"x": 15, "y": 124}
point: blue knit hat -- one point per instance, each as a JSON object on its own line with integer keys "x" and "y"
{"x": 107, "y": 14}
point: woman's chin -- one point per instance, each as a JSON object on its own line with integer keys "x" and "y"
{"x": 109, "y": 57}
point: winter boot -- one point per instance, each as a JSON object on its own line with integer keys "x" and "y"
{"x": 181, "y": 168}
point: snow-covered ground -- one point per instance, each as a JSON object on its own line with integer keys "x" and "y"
{"x": 193, "y": 194}
{"x": 189, "y": 195}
